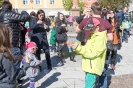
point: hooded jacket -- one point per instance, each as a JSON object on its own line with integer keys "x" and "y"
{"x": 93, "y": 53}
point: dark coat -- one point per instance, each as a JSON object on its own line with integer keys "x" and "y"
{"x": 61, "y": 35}
{"x": 12, "y": 19}
{"x": 39, "y": 34}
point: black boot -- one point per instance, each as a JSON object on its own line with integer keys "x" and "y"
{"x": 72, "y": 57}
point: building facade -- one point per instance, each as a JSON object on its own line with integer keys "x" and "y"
{"x": 89, "y": 2}
{"x": 51, "y": 7}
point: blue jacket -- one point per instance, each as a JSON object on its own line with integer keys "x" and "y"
{"x": 120, "y": 16}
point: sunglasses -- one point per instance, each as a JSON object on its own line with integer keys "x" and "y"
{"x": 34, "y": 48}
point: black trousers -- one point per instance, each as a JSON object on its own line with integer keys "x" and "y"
{"x": 113, "y": 56}
{"x": 47, "y": 55}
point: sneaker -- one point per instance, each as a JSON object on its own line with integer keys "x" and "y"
{"x": 60, "y": 64}
{"x": 51, "y": 53}
{"x": 113, "y": 66}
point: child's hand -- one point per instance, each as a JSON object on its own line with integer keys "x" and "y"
{"x": 40, "y": 63}
{"x": 74, "y": 46}
{"x": 27, "y": 60}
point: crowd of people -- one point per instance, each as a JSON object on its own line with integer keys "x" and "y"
{"x": 23, "y": 38}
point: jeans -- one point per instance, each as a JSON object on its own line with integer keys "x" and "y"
{"x": 125, "y": 35}
{"x": 90, "y": 80}
{"x": 16, "y": 53}
{"x": 113, "y": 56}
{"x": 53, "y": 47}
{"x": 103, "y": 78}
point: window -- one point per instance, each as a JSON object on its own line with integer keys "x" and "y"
{"x": 38, "y": 2}
{"x": 51, "y": 2}
{"x": 25, "y": 2}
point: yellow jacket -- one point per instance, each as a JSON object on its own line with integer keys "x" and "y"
{"x": 94, "y": 53}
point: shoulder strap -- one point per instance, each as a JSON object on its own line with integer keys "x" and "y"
{"x": 1, "y": 62}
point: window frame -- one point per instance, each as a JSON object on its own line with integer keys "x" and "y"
{"x": 27, "y": 2}
{"x": 36, "y": 3}
{"x": 52, "y": 2}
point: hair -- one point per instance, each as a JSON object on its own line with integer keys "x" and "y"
{"x": 116, "y": 20}
{"x": 58, "y": 19}
{"x": 6, "y": 5}
{"x": 5, "y": 42}
{"x": 104, "y": 13}
{"x": 96, "y": 8}
{"x": 32, "y": 14}
{"x": 39, "y": 12}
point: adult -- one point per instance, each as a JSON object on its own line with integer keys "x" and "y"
{"x": 104, "y": 25}
{"x": 87, "y": 13}
{"x": 127, "y": 19}
{"x": 120, "y": 14}
{"x": 12, "y": 20}
{"x": 114, "y": 21}
{"x": 61, "y": 37}
{"x": 40, "y": 28}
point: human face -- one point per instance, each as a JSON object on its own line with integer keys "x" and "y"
{"x": 88, "y": 13}
{"x": 40, "y": 16}
{"x": 125, "y": 9}
{"x": 61, "y": 16}
{"x": 34, "y": 49}
{"x": 112, "y": 14}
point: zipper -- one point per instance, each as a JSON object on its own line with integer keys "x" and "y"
{"x": 90, "y": 64}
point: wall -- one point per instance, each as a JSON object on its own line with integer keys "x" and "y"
{"x": 89, "y": 3}
{"x": 57, "y": 4}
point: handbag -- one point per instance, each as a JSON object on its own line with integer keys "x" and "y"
{"x": 110, "y": 45}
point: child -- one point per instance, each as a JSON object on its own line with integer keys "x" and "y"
{"x": 53, "y": 41}
{"x": 31, "y": 63}
{"x": 93, "y": 52}
{"x": 8, "y": 76}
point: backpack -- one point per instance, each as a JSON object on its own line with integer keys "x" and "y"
{"x": 126, "y": 24}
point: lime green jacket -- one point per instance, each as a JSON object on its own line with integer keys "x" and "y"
{"x": 94, "y": 53}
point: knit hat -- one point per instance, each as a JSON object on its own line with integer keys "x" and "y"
{"x": 92, "y": 23}
{"x": 120, "y": 7}
{"x": 30, "y": 44}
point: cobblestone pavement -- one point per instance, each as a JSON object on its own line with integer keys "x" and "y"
{"x": 71, "y": 75}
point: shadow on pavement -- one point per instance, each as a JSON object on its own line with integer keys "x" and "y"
{"x": 118, "y": 58}
{"x": 50, "y": 80}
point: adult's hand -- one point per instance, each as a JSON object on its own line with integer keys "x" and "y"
{"x": 39, "y": 22}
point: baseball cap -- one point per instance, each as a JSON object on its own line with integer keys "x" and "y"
{"x": 92, "y": 23}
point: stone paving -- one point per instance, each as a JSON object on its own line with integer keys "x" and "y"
{"x": 71, "y": 75}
